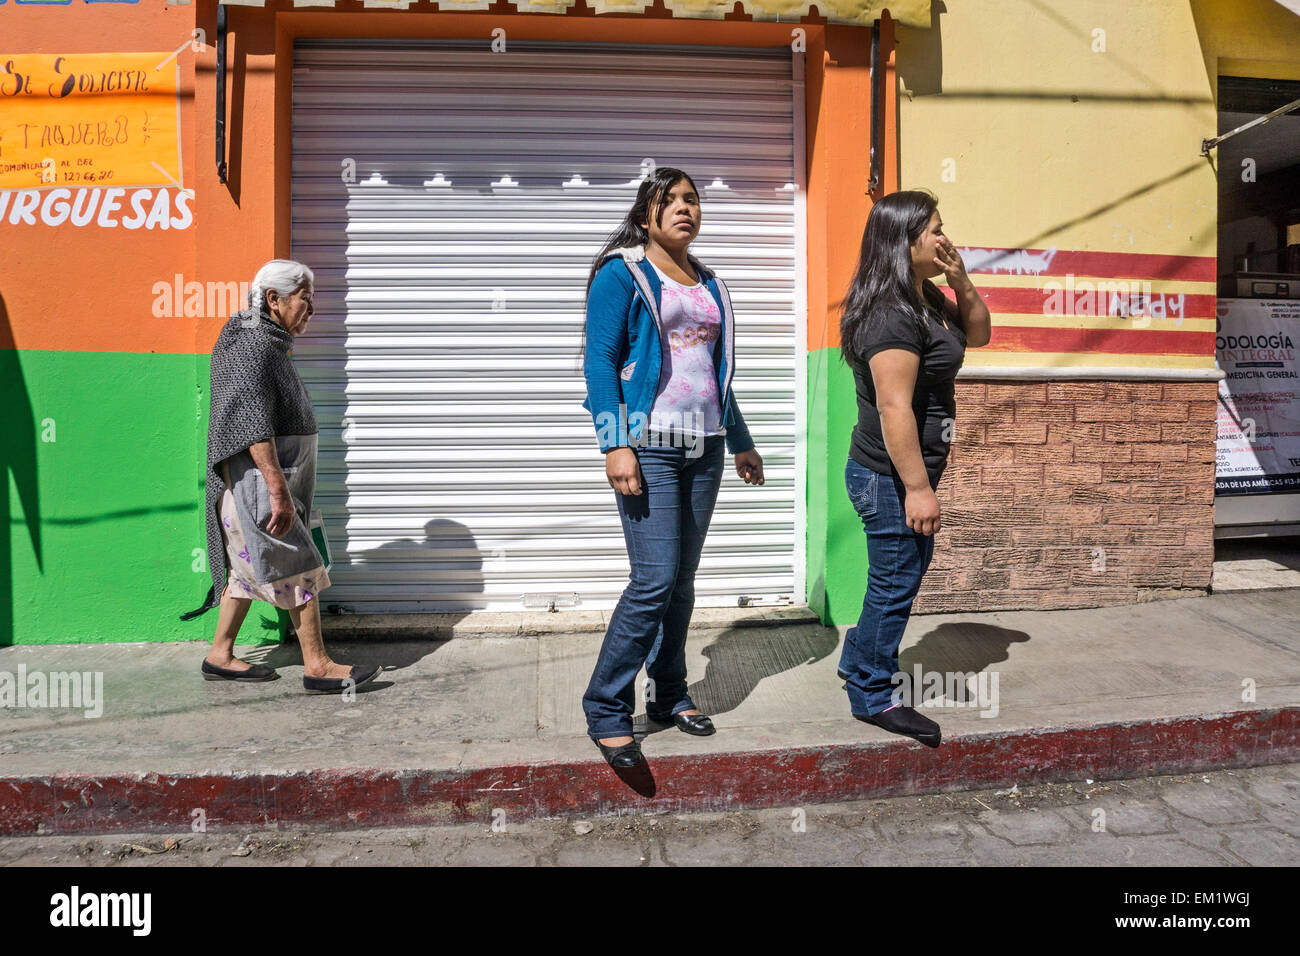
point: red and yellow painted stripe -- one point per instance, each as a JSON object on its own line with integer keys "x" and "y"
{"x": 1026, "y": 332}
{"x": 1030, "y": 327}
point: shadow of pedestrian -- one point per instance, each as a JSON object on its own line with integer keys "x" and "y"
{"x": 743, "y": 656}
{"x": 958, "y": 647}
{"x": 447, "y": 567}
{"x": 639, "y": 778}
{"x": 443, "y": 573}
{"x": 392, "y": 655}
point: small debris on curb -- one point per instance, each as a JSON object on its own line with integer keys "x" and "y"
{"x": 171, "y": 844}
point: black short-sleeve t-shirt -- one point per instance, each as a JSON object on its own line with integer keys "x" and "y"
{"x": 942, "y": 350}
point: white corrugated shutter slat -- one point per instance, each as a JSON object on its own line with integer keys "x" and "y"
{"x": 458, "y": 469}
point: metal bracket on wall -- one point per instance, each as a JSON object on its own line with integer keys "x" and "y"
{"x": 1209, "y": 144}
{"x": 221, "y": 92}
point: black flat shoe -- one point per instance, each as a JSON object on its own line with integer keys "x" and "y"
{"x": 256, "y": 673}
{"x": 623, "y": 757}
{"x": 697, "y": 725}
{"x": 906, "y": 722}
{"x": 334, "y": 685}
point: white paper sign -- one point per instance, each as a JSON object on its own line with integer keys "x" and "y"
{"x": 1259, "y": 399}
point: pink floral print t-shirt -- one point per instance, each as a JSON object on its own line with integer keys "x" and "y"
{"x": 686, "y": 402}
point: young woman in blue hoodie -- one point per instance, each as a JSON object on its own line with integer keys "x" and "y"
{"x": 659, "y": 361}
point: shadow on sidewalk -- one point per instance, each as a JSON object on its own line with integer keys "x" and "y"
{"x": 743, "y": 656}
{"x": 450, "y": 563}
{"x": 956, "y": 646}
{"x": 393, "y": 656}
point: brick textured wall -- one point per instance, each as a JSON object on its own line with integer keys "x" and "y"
{"x": 1075, "y": 494}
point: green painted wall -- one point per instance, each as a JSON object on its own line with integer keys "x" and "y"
{"x": 837, "y": 545}
{"x": 103, "y": 520}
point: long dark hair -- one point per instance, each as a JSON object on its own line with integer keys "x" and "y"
{"x": 652, "y": 194}
{"x": 884, "y": 277}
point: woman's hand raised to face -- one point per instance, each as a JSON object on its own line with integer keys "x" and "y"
{"x": 749, "y": 465}
{"x": 623, "y": 471}
{"x": 949, "y": 260}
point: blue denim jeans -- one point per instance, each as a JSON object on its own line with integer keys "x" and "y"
{"x": 898, "y": 558}
{"x": 664, "y": 528}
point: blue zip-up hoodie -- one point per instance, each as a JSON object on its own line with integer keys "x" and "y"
{"x": 624, "y": 355}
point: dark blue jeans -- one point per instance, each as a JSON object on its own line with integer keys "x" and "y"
{"x": 898, "y": 557}
{"x": 664, "y": 528}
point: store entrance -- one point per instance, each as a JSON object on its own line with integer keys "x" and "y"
{"x": 1257, "y": 478}
{"x": 450, "y": 200}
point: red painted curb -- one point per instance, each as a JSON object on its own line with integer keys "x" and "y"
{"x": 87, "y": 803}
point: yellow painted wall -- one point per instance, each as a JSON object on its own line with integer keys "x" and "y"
{"x": 1258, "y": 38}
{"x": 1053, "y": 144}
{"x": 1075, "y": 128}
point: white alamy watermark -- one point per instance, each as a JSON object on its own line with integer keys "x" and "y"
{"x": 75, "y": 908}
{"x": 946, "y": 689}
{"x": 58, "y": 690}
{"x": 203, "y": 300}
{"x": 663, "y": 430}
{"x": 1110, "y": 298}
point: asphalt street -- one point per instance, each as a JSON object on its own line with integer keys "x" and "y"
{"x": 1220, "y": 819}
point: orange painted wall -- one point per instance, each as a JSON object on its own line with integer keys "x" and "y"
{"x": 254, "y": 205}
{"x": 89, "y": 288}
{"x": 839, "y": 165}
{"x": 240, "y": 224}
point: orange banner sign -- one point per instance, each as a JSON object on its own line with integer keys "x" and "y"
{"x": 89, "y": 119}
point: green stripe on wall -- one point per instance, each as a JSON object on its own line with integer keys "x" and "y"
{"x": 103, "y": 519}
{"x": 837, "y": 545}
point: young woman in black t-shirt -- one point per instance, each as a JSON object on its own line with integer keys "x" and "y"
{"x": 905, "y": 342}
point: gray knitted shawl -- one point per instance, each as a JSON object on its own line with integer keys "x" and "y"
{"x": 256, "y": 394}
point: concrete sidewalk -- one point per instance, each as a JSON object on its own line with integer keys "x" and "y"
{"x": 461, "y": 729}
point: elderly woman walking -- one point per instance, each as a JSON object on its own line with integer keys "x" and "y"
{"x": 261, "y": 477}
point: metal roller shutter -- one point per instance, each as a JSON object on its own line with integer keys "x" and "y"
{"x": 458, "y": 470}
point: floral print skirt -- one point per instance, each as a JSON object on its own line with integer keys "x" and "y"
{"x": 288, "y": 591}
